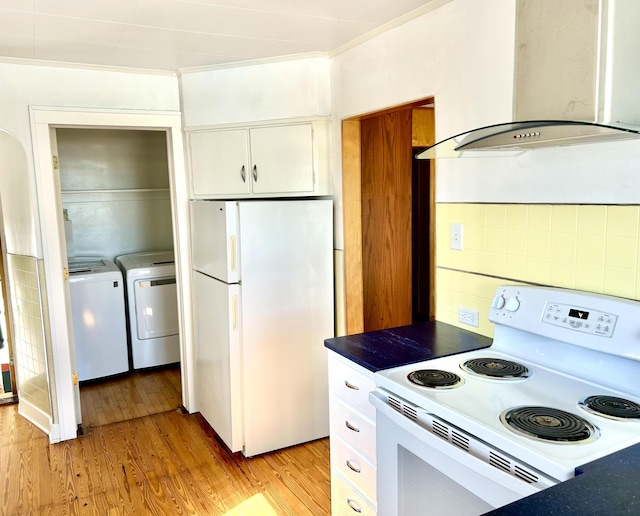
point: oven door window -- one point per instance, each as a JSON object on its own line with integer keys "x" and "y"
{"x": 424, "y": 489}
{"x": 419, "y": 473}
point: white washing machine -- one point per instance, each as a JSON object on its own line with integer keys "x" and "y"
{"x": 99, "y": 321}
{"x": 152, "y": 307}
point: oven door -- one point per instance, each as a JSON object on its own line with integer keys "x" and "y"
{"x": 420, "y": 473}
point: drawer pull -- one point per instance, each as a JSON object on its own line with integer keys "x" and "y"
{"x": 350, "y": 426}
{"x": 351, "y": 386}
{"x": 353, "y": 466}
{"x": 355, "y": 506}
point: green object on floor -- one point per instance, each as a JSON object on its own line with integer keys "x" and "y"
{"x": 6, "y": 378}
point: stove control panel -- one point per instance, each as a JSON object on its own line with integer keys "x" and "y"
{"x": 510, "y": 304}
{"x": 584, "y": 320}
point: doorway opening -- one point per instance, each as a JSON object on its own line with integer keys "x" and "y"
{"x": 8, "y": 389}
{"x": 45, "y": 123}
{"x": 422, "y": 241}
{"x": 389, "y": 222}
{"x": 115, "y": 198}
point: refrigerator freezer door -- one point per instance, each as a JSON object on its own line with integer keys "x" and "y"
{"x": 217, "y": 352}
{"x": 287, "y": 296}
{"x": 214, "y": 239}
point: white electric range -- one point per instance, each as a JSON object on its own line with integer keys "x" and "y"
{"x": 558, "y": 388}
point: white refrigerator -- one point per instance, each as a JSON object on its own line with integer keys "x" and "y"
{"x": 263, "y": 304}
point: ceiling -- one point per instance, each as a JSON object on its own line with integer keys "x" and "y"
{"x": 178, "y": 34}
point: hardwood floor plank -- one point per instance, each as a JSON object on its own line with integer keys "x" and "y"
{"x": 136, "y": 394}
{"x": 164, "y": 463}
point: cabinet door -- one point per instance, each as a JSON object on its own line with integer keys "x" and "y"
{"x": 282, "y": 159}
{"x": 219, "y": 162}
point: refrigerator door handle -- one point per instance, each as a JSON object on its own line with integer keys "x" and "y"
{"x": 232, "y": 252}
{"x": 234, "y": 313}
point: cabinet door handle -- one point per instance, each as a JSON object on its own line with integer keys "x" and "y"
{"x": 353, "y": 466}
{"x": 255, "y": 172}
{"x": 351, "y": 426}
{"x": 355, "y": 506}
{"x": 243, "y": 174}
{"x": 351, "y": 386}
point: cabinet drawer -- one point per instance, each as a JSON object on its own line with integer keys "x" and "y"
{"x": 346, "y": 501}
{"x": 351, "y": 386}
{"x": 354, "y": 467}
{"x": 358, "y": 431}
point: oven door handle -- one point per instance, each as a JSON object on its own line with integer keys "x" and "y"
{"x": 423, "y": 435}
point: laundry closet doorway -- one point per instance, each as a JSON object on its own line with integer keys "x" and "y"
{"x": 116, "y": 201}
{"x": 86, "y": 166}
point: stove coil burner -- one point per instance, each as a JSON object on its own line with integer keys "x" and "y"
{"x": 495, "y": 368}
{"x": 611, "y": 407}
{"x": 549, "y": 424}
{"x": 435, "y": 378}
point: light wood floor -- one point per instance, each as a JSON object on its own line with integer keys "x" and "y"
{"x": 163, "y": 464}
{"x": 137, "y": 394}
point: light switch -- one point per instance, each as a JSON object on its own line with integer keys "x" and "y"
{"x": 455, "y": 236}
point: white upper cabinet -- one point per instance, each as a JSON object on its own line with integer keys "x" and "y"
{"x": 219, "y": 161}
{"x": 289, "y": 159}
{"x": 282, "y": 159}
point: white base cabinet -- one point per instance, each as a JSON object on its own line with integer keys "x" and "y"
{"x": 353, "y": 438}
{"x": 284, "y": 159}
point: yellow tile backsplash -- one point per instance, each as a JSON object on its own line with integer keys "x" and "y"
{"x": 564, "y": 219}
{"x": 539, "y": 217}
{"x": 592, "y": 220}
{"x": 586, "y": 247}
{"x": 622, "y": 221}
{"x": 517, "y": 216}
{"x": 620, "y": 251}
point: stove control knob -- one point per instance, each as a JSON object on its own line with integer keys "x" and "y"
{"x": 512, "y": 304}
{"x": 498, "y": 302}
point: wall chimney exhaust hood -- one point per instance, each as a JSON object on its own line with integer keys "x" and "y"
{"x": 575, "y": 80}
{"x": 512, "y": 138}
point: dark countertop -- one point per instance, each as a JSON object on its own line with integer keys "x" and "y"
{"x": 382, "y": 349}
{"x": 607, "y": 487}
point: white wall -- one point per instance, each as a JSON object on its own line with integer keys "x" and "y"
{"x": 26, "y": 85}
{"x": 20, "y": 222}
{"x": 461, "y": 53}
{"x": 115, "y": 188}
{"x": 295, "y": 88}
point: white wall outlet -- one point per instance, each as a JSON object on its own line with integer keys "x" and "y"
{"x": 455, "y": 236}
{"x": 468, "y": 316}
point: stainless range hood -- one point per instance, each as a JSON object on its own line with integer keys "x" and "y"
{"x": 512, "y": 138}
{"x": 575, "y": 63}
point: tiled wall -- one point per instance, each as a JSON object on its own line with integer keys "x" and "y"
{"x": 29, "y": 313}
{"x": 584, "y": 247}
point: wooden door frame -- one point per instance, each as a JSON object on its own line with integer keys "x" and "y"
{"x": 43, "y": 119}
{"x": 352, "y": 217}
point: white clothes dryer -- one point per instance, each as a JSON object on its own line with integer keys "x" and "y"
{"x": 152, "y": 308}
{"x": 98, "y": 313}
